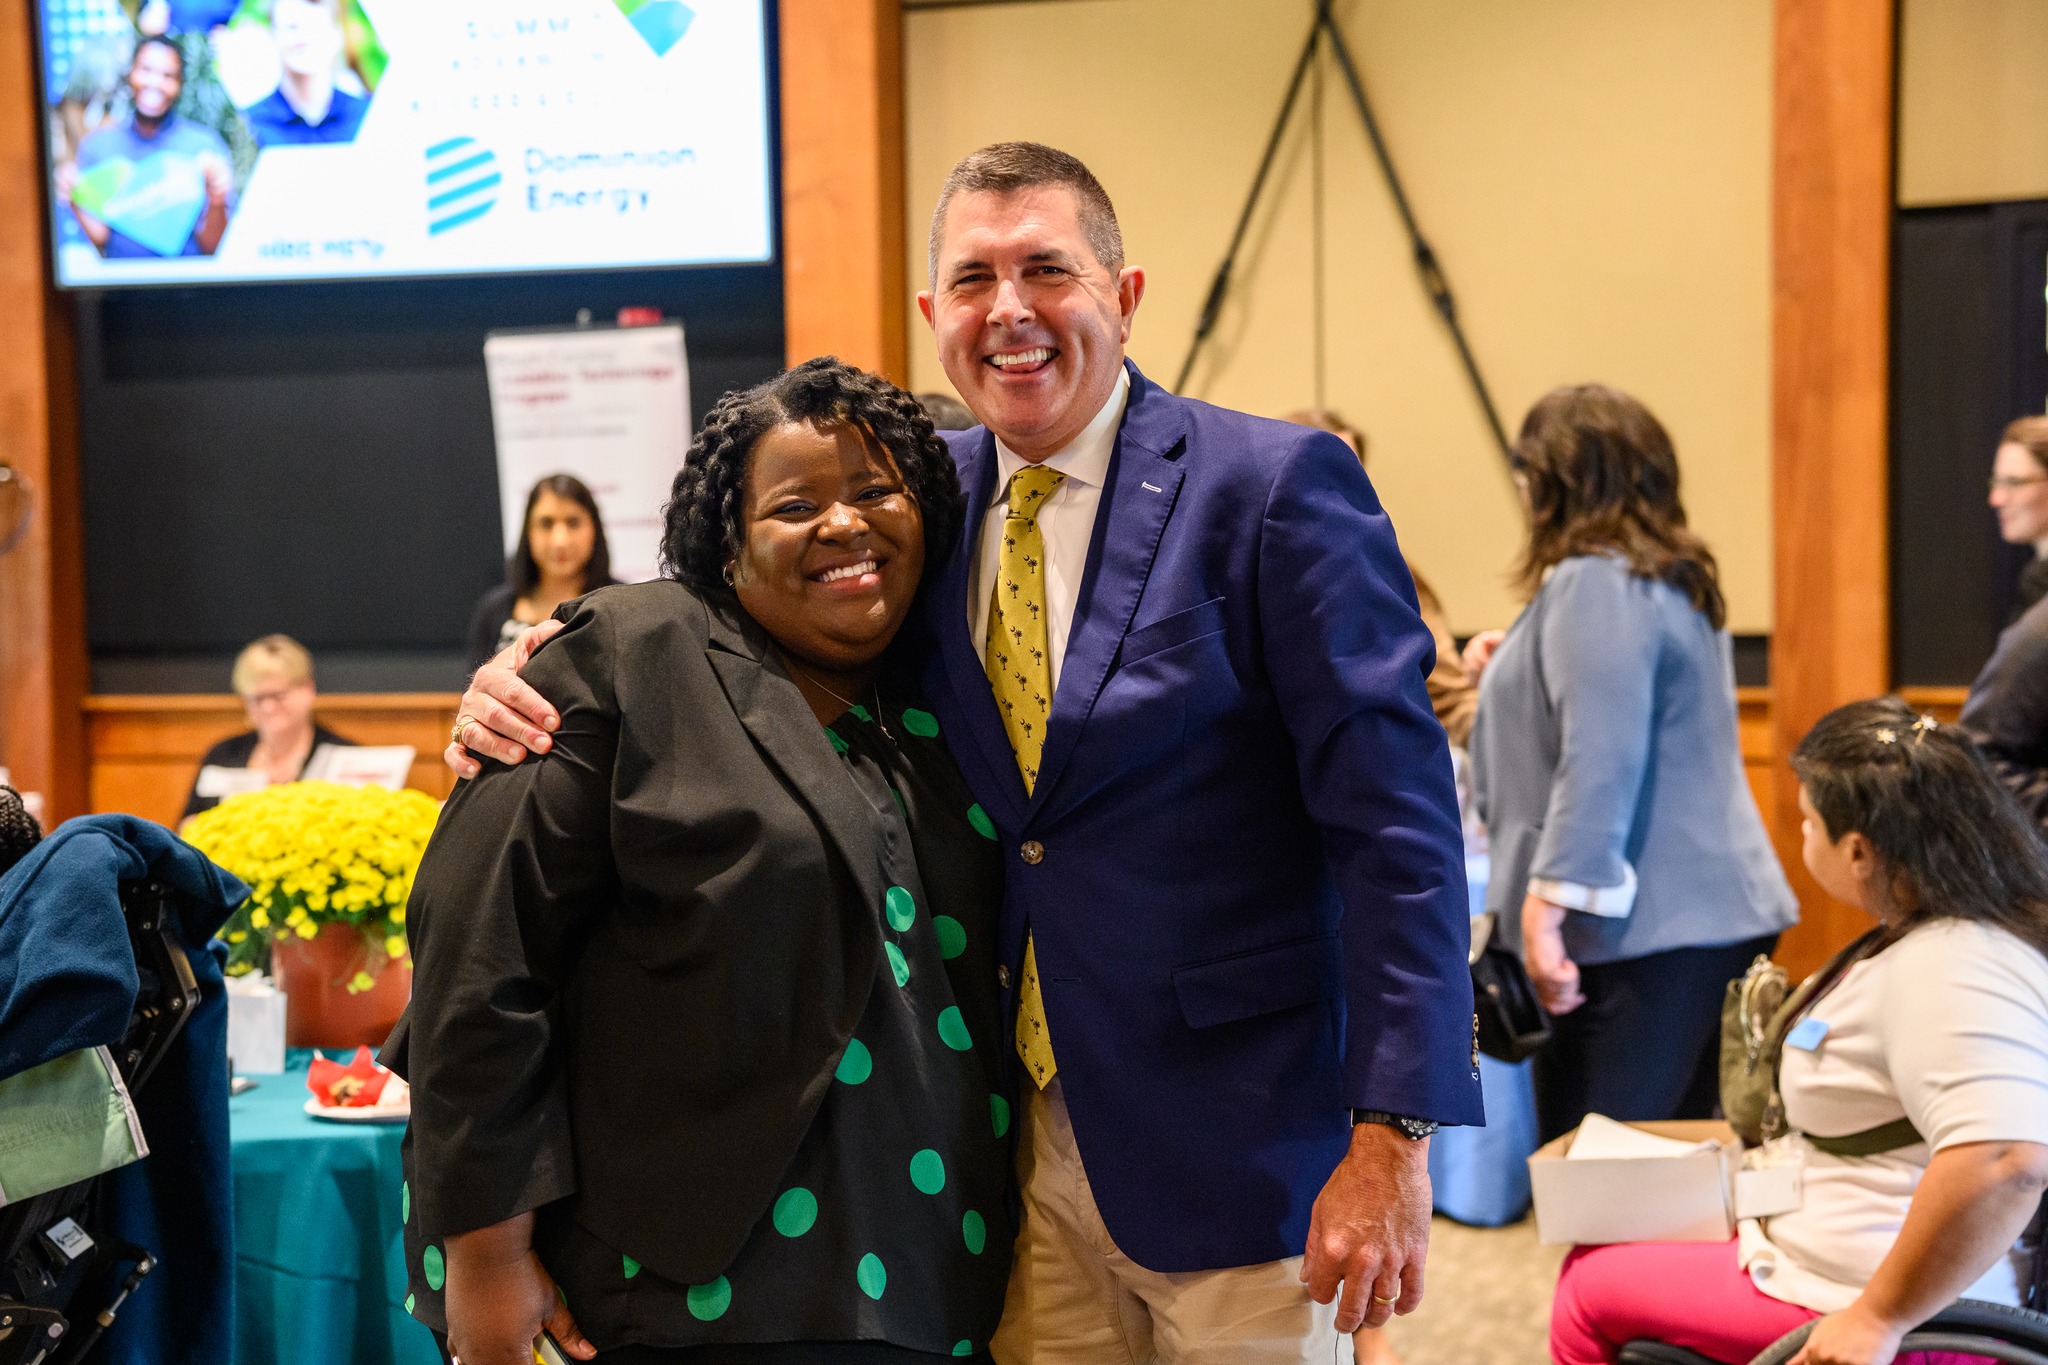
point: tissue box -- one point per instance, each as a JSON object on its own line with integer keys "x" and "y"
{"x": 255, "y": 1026}
{"x": 1676, "y": 1198}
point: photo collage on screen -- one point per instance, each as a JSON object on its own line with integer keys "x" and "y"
{"x": 160, "y": 109}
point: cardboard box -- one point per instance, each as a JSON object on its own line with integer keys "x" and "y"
{"x": 1638, "y": 1199}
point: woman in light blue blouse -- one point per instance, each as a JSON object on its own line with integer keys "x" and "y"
{"x": 1629, "y": 862}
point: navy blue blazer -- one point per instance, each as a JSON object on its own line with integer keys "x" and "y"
{"x": 1250, "y": 910}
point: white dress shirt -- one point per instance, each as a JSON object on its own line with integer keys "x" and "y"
{"x": 1066, "y": 520}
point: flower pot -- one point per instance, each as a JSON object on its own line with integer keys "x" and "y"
{"x": 320, "y": 1010}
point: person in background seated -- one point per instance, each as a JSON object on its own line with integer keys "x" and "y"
{"x": 307, "y": 105}
{"x": 947, "y": 412}
{"x": 1453, "y": 696}
{"x": 2007, "y": 709}
{"x": 562, "y": 555}
{"x": 152, "y": 127}
{"x": 274, "y": 679}
{"x": 1629, "y": 861}
{"x": 1945, "y": 1026}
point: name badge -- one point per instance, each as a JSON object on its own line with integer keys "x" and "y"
{"x": 1807, "y": 1033}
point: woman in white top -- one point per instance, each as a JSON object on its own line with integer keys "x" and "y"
{"x": 1946, "y": 1026}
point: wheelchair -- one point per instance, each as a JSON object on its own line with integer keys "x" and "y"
{"x": 62, "y": 1280}
{"x": 2013, "y": 1336}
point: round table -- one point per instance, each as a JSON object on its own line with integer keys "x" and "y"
{"x": 319, "y": 1254}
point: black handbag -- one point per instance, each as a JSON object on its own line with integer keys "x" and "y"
{"x": 1510, "y": 1023}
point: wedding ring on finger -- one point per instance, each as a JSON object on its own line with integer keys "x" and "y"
{"x": 1389, "y": 1302}
{"x": 455, "y": 731}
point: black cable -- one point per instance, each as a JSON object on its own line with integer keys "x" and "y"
{"x": 1435, "y": 282}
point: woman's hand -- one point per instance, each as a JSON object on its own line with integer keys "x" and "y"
{"x": 500, "y": 716}
{"x": 1854, "y": 1336}
{"x": 500, "y": 1297}
{"x": 1479, "y": 653}
{"x": 1555, "y": 976}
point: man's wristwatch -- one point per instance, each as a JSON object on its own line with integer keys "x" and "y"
{"x": 1415, "y": 1130}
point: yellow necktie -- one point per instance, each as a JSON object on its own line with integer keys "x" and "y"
{"x": 1020, "y": 670}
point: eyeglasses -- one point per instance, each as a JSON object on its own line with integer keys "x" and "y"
{"x": 2011, "y": 483}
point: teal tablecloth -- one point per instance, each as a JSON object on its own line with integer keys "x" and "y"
{"x": 319, "y": 1254}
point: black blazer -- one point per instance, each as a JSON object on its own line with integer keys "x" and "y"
{"x": 486, "y": 620}
{"x": 637, "y": 962}
{"x": 2007, "y": 710}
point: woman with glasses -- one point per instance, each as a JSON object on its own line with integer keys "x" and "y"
{"x": 2007, "y": 711}
{"x": 274, "y": 679}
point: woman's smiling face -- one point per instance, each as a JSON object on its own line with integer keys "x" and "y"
{"x": 833, "y": 544}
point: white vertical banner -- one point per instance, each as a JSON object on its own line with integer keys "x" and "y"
{"x": 610, "y": 405}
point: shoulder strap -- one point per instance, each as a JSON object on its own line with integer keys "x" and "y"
{"x": 1886, "y": 1137}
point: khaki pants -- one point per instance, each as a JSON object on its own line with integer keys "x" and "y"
{"x": 1075, "y": 1299}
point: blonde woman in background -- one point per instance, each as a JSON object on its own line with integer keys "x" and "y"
{"x": 274, "y": 679}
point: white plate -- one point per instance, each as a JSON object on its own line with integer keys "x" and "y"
{"x": 368, "y": 1113}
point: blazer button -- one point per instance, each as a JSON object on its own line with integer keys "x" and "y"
{"x": 1033, "y": 852}
{"x": 1003, "y": 977}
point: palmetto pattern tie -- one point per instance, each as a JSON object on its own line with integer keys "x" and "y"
{"x": 1020, "y": 672}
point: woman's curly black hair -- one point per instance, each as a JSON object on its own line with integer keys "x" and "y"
{"x": 702, "y": 529}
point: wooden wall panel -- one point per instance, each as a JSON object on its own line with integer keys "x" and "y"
{"x": 842, "y": 183}
{"x": 42, "y": 586}
{"x": 146, "y": 750}
{"x": 1833, "y": 100}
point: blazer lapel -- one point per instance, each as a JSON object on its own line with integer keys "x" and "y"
{"x": 1144, "y": 480}
{"x": 984, "y": 753}
{"x": 787, "y": 731}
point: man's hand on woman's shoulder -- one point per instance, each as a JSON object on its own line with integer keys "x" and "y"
{"x": 499, "y": 716}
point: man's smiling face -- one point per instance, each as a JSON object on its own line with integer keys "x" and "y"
{"x": 1030, "y": 324}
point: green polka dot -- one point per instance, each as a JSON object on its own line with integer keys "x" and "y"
{"x": 953, "y": 1029}
{"x": 405, "y": 1201}
{"x": 708, "y": 1302}
{"x": 408, "y": 1303}
{"x": 795, "y": 1212}
{"x": 629, "y": 1265}
{"x": 928, "y": 1172}
{"x": 999, "y": 1114}
{"x": 838, "y": 744}
{"x": 902, "y": 908}
{"x": 872, "y": 1277}
{"x": 952, "y": 936}
{"x": 978, "y": 818}
{"x": 436, "y": 1269}
{"x": 860, "y": 713}
{"x": 856, "y": 1065}
{"x": 974, "y": 1232}
{"x": 920, "y": 723}
{"x": 898, "y": 964}
{"x": 963, "y": 1348}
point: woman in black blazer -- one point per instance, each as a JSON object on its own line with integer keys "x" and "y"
{"x": 704, "y": 1030}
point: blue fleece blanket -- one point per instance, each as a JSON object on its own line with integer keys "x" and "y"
{"x": 67, "y": 981}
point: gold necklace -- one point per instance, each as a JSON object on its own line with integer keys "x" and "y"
{"x": 850, "y": 705}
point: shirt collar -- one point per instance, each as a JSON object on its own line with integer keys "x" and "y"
{"x": 1085, "y": 459}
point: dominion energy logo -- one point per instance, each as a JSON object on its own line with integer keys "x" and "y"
{"x": 462, "y": 183}
{"x": 661, "y": 22}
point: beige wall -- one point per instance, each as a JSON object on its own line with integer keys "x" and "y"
{"x": 1973, "y": 101}
{"x": 1594, "y": 174}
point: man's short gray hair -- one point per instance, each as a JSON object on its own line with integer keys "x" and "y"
{"x": 1006, "y": 168}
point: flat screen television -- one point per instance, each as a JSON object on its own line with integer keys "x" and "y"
{"x": 200, "y": 141}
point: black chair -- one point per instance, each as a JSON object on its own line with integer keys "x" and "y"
{"x": 2015, "y": 1336}
{"x": 58, "y": 1270}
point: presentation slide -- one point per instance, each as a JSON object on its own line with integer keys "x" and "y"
{"x": 194, "y": 141}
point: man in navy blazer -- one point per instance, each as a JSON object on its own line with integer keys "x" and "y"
{"x": 1240, "y": 864}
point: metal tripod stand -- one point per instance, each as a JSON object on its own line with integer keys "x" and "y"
{"x": 1434, "y": 282}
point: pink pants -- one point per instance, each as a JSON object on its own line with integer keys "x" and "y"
{"x": 1690, "y": 1294}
